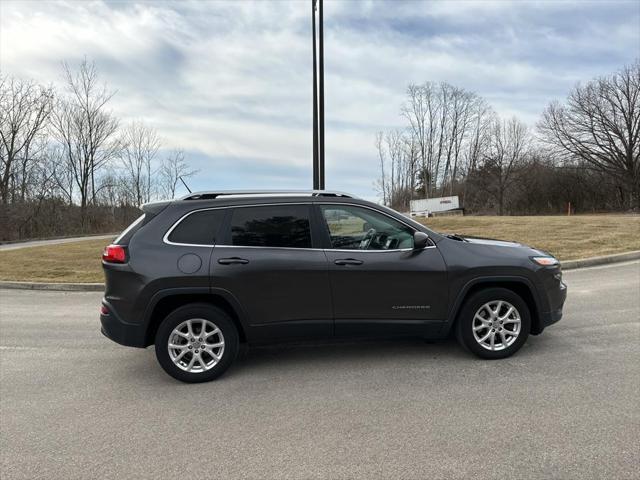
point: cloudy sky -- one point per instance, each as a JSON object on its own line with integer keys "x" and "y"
{"x": 230, "y": 82}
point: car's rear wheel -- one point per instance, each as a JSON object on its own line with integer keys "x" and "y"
{"x": 494, "y": 323}
{"x": 196, "y": 343}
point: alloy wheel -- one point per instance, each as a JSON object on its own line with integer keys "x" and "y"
{"x": 496, "y": 325}
{"x": 196, "y": 345}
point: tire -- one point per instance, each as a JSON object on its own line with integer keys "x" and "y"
{"x": 508, "y": 334}
{"x": 216, "y": 349}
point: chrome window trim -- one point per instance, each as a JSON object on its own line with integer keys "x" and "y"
{"x": 261, "y": 246}
{"x": 166, "y": 240}
{"x": 377, "y": 251}
{"x": 324, "y": 249}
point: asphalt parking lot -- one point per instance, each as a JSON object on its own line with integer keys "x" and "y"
{"x": 75, "y": 405}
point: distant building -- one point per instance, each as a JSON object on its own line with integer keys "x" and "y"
{"x": 427, "y": 207}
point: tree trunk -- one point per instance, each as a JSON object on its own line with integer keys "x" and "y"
{"x": 634, "y": 197}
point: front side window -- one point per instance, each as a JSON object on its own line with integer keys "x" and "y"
{"x": 199, "y": 228}
{"x": 357, "y": 228}
{"x": 271, "y": 226}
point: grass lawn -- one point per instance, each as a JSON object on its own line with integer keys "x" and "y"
{"x": 64, "y": 263}
{"x": 568, "y": 238}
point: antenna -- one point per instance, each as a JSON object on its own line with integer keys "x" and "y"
{"x": 185, "y": 185}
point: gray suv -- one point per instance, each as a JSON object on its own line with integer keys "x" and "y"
{"x": 201, "y": 275}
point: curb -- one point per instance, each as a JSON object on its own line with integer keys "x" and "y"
{"x": 99, "y": 287}
{"x": 604, "y": 260}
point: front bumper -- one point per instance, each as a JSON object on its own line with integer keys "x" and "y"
{"x": 128, "y": 334}
{"x": 556, "y": 302}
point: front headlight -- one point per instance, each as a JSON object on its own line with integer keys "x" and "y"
{"x": 546, "y": 261}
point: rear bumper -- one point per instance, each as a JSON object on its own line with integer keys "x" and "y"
{"x": 128, "y": 334}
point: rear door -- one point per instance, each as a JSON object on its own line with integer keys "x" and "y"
{"x": 379, "y": 283}
{"x": 268, "y": 262}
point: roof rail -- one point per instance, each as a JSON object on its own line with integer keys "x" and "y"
{"x": 221, "y": 193}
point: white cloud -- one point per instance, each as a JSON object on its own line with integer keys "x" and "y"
{"x": 231, "y": 81}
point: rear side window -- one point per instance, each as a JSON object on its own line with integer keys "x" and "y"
{"x": 199, "y": 228}
{"x": 271, "y": 226}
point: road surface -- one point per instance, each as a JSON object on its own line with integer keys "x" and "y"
{"x": 75, "y": 405}
{"x": 39, "y": 243}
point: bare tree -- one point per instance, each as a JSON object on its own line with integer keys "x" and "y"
{"x": 443, "y": 120}
{"x": 479, "y": 139}
{"x": 85, "y": 129}
{"x": 600, "y": 124}
{"x": 509, "y": 145}
{"x": 62, "y": 159}
{"x": 461, "y": 119}
{"x": 421, "y": 110}
{"x": 24, "y": 111}
{"x": 56, "y": 162}
{"x": 173, "y": 168}
{"x": 140, "y": 145}
{"x": 399, "y": 155}
{"x": 382, "y": 158}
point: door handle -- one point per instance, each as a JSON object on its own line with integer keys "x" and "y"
{"x": 233, "y": 261}
{"x": 348, "y": 261}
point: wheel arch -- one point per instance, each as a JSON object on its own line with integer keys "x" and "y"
{"x": 519, "y": 285}
{"x": 166, "y": 301}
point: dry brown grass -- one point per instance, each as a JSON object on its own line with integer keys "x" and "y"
{"x": 568, "y": 238}
{"x": 66, "y": 263}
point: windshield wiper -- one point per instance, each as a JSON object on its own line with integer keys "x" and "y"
{"x": 455, "y": 236}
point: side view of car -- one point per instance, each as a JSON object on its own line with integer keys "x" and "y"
{"x": 198, "y": 276}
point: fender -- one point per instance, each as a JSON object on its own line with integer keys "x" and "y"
{"x": 170, "y": 292}
{"x": 462, "y": 293}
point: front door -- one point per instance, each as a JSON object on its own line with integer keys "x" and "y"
{"x": 267, "y": 262}
{"x": 379, "y": 283}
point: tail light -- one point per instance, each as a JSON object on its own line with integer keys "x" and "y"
{"x": 114, "y": 254}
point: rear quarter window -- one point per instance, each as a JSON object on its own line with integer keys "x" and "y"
{"x": 125, "y": 236}
{"x": 198, "y": 228}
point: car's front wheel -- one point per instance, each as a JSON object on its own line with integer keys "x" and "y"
{"x": 196, "y": 343}
{"x": 494, "y": 323}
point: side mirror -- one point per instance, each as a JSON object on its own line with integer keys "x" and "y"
{"x": 420, "y": 240}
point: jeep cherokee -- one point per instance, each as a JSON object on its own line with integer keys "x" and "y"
{"x": 198, "y": 276}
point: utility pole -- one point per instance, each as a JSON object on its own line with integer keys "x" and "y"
{"x": 316, "y": 164}
{"x": 321, "y": 95}
{"x": 318, "y": 96}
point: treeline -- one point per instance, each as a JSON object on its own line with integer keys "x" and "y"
{"x": 584, "y": 152}
{"x": 68, "y": 165}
